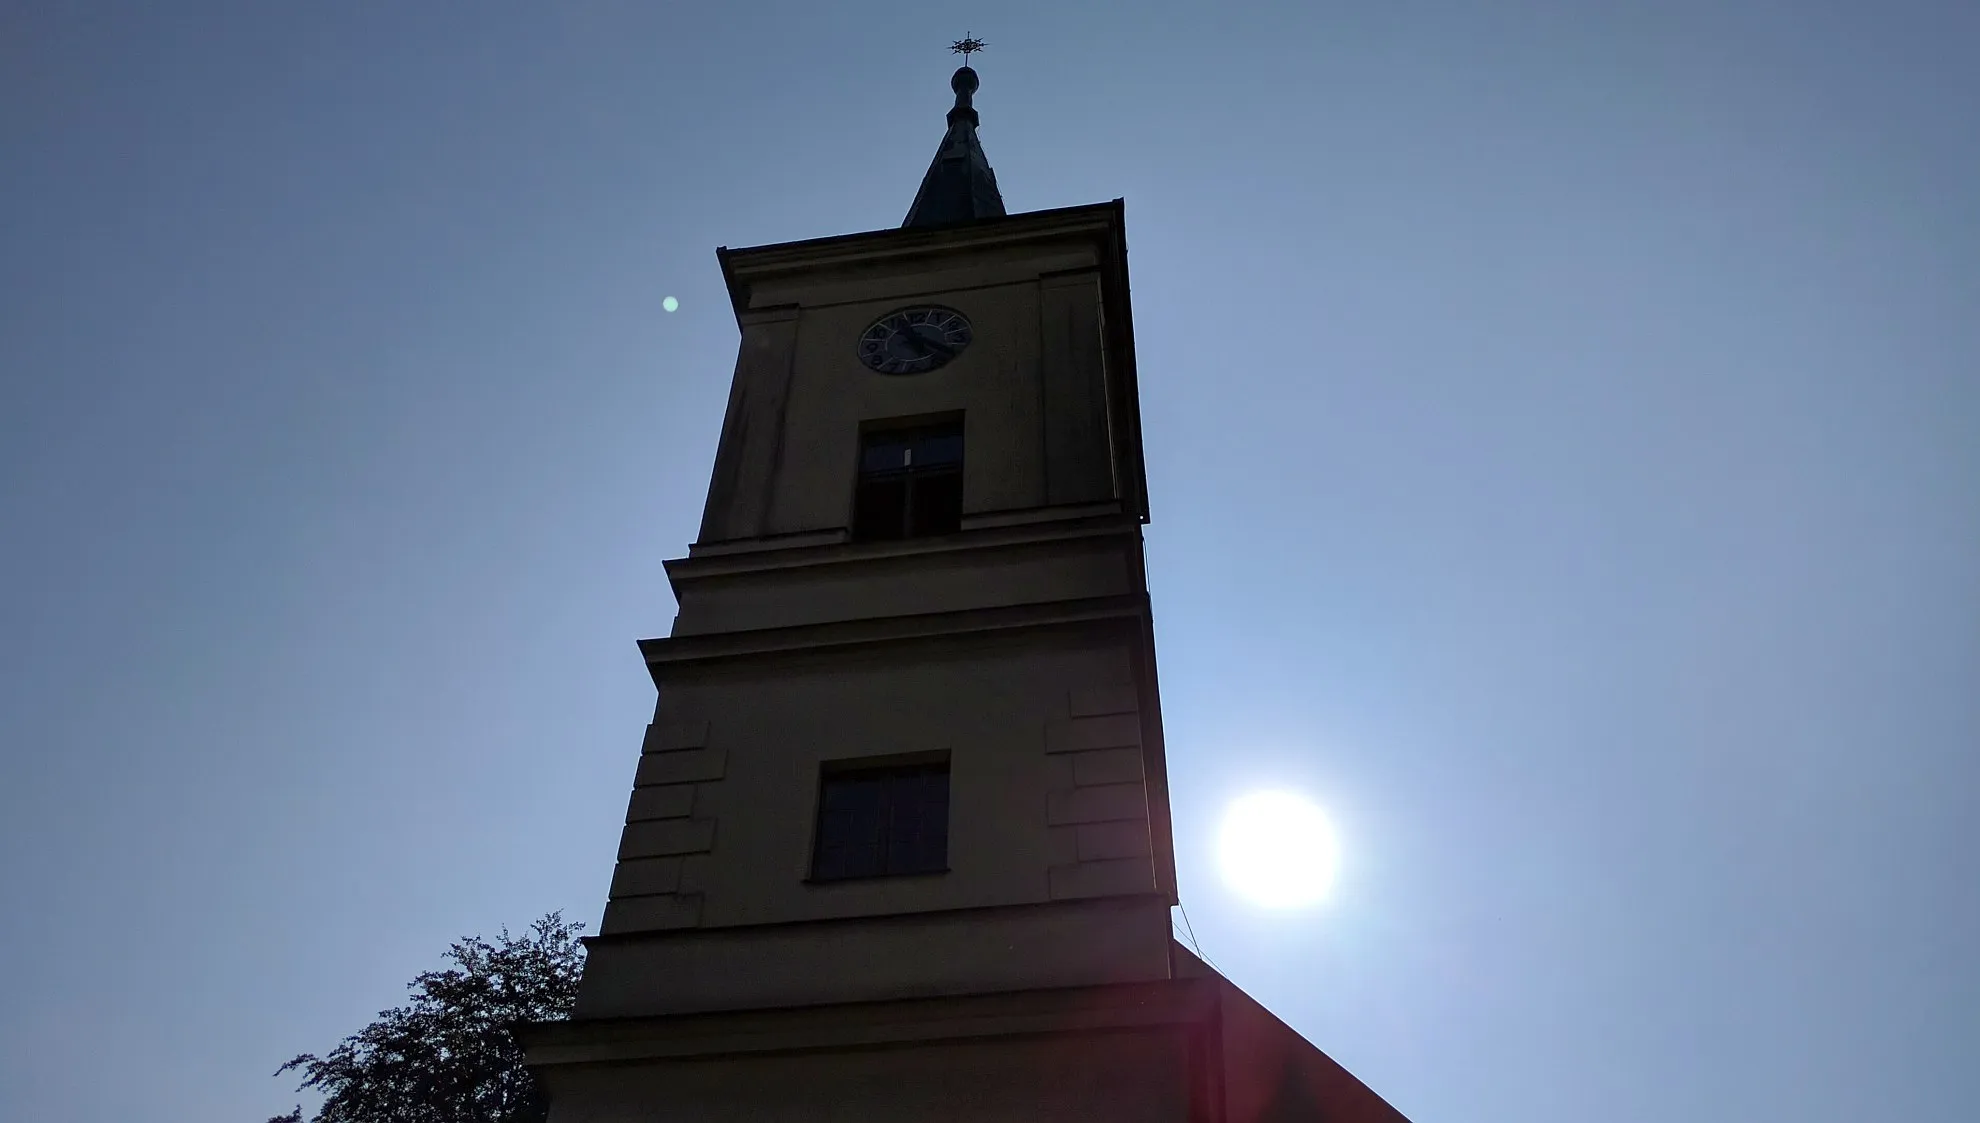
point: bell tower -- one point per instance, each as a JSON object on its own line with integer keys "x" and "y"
{"x": 898, "y": 841}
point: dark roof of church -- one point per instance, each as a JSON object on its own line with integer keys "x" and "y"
{"x": 1272, "y": 1073}
{"x": 959, "y": 185}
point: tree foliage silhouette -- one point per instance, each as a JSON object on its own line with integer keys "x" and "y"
{"x": 449, "y": 1055}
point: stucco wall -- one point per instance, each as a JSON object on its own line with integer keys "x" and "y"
{"x": 1030, "y": 388}
{"x": 721, "y": 819}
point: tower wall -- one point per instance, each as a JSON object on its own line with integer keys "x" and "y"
{"x": 989, "y": 668}
{"x": 1040, "y": 402}
{"x": 1053, "y": 771}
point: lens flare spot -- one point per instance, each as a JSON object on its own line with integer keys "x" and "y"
{"x": 670, "y": 304}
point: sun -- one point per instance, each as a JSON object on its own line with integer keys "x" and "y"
{"x": 1277, "y": 850}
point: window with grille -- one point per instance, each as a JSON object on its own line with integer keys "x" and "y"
{"x": 882, "y": 821}
{"x": 910, "y": 482}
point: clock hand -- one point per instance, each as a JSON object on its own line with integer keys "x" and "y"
{"x": 928, "y": 344}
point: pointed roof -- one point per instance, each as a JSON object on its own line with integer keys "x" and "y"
{"x": 959, "y": 185}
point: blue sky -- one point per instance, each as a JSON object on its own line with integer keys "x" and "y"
{"x": 1563, "y": 425}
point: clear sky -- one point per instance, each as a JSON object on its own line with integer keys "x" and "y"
{"x": 1563, "y": 426}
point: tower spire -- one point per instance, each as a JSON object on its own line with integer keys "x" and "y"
{"x": 959, "y": 185}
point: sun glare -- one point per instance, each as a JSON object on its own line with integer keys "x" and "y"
{"x": 1277, "y": 850}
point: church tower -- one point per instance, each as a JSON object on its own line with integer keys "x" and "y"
{"x": 898, "y": 843}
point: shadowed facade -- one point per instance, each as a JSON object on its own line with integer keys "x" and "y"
{"x": 898, "y": 845}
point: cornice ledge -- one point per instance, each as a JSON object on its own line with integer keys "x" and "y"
{"x": 676, "y": 651}
{"x": 696, "y": 566}
{"x": 1025, "y": 226}
{"x": 743, "y": 267}
{"x": 866, "y": 1025}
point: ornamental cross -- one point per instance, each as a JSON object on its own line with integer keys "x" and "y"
{"x": 965, "y": 46}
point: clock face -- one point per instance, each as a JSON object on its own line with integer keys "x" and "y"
{"x": 913, "y": 340}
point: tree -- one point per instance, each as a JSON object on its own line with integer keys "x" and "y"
{"x": 449, "y": 1056}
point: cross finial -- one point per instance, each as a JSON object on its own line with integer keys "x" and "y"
{"x": 966, "y": 45}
